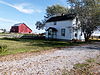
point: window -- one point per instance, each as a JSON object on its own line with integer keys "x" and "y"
{"x": 55, "y": 23}
{"x": 62, "y": 32}
{"x": 50, "y": 32}
{"x": 75, "y": 34}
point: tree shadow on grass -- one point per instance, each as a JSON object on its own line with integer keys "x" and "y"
{"x": 18, "y": 39}
{"x": 54, "y": 44}
{"x": 94, "y": 48}
{"x": 41, "y": 42}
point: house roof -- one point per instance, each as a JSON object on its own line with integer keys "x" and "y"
{"x": 62, "y": 18}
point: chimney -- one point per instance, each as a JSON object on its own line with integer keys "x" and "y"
{"x": 62, "y": 14}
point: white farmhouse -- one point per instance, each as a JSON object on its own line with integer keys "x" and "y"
{"x": 63, "y": 27}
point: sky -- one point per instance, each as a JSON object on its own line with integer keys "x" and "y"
{"x": 24, "y": 11}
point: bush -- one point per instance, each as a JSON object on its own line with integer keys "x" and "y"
{"x": 3, "y": 48}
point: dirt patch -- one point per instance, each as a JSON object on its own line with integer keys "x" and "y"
{"x": 19, "y": 56}
{"x": 90, "y": 67}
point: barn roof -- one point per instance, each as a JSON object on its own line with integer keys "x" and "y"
{"x": 62, "y": 18}
{"x": 18, "y": 24}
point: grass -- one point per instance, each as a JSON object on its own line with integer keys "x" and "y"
{"x": 3, "y": 48}
{"x": 16, "y": 45}
{"x": 80, "y": 65}
{"x": 91, "y": 60}
{"x": 95, "y": 39}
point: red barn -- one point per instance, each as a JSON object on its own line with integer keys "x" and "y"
{"x": 20, "y": 28}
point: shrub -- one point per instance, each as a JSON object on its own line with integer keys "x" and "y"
{"x": 3, "y": 48}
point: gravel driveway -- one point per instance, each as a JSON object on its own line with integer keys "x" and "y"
{"x": 50, "y": 63}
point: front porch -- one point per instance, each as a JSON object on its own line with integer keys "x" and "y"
{"x": 52, "y": 33}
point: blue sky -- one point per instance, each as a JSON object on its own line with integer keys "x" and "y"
{"x": 24, "y": 11}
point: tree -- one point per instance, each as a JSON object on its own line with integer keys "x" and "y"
{"x": 88, "y": 12}
{"x": 40, "y": 24}
{"x": 51, "y": 11}
{"x": 56, "y": 10}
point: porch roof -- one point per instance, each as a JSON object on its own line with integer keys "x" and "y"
{"x": 54, "y": 29}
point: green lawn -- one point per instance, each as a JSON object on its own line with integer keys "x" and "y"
{"x": 27, "y": 45}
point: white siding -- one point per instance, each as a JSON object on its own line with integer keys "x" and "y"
{"x": 69, "y": 33}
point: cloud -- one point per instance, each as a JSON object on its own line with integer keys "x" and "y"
{"x": 8, "y": 20}
{"x": 23, "y": 7}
